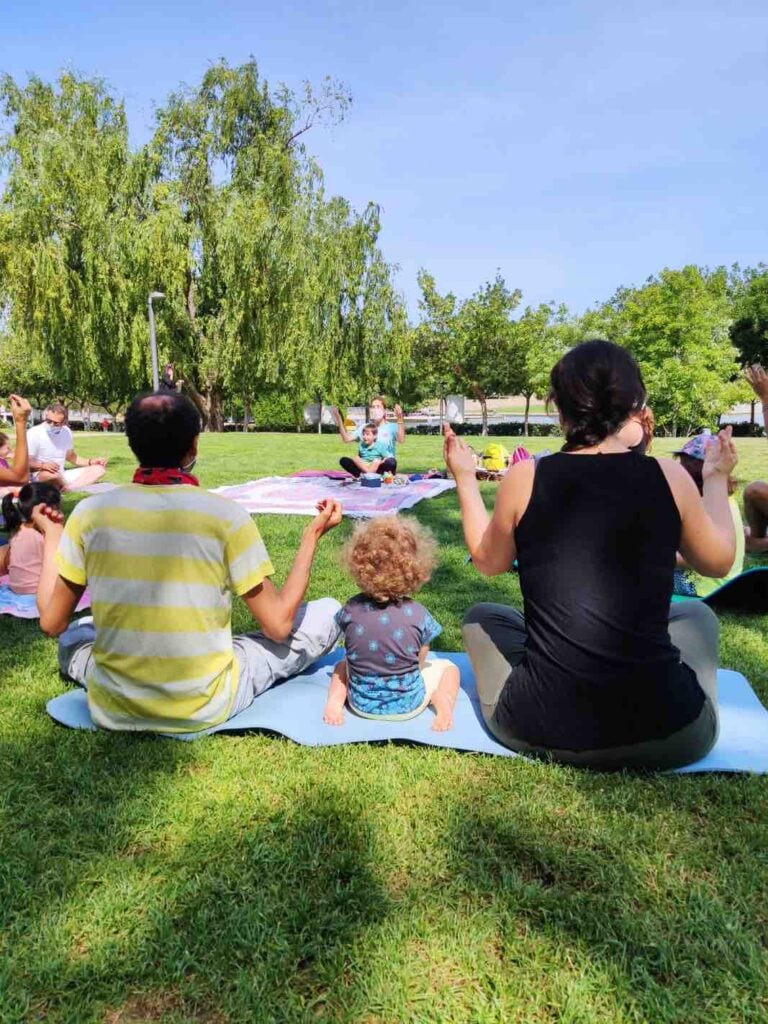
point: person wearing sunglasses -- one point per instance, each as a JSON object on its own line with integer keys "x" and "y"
{"x": 51, "y": 447}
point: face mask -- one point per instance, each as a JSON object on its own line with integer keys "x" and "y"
{"x": 377, "y": 414}
{"x": 52, "y": 429}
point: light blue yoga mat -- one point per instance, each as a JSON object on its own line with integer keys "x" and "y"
{"x": 295, "y": 709}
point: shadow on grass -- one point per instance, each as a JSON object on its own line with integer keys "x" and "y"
{"x": 203, "y": 913}
{"x": 629, "y": 885}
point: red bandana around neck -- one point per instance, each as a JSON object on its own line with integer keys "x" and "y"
{"x": 159, "y": 476}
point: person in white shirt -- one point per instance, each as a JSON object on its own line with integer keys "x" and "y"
{"x": 51, "y": 447}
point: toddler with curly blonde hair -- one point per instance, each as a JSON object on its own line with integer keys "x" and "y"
{"x": 387, "y": 672}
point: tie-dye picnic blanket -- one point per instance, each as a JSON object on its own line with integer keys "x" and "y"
{"x": 24, "y": 606}
{"x": 298, "y": 496}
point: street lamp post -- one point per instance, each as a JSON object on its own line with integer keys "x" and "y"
{"x": 152, "y": 342}
{"x": 443, "y": 409}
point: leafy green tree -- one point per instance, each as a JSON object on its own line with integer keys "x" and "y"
{"x": 29, "y": 374}
{"x": 435, "y": 342}
{"x": 540, "y": 338}
{"x": 677, "y": 327}
{"x": 467, "y": 346}
{"x": 267, "y": 283}
{"x": 749, "y": 329}
{"x": 486, "y": 336}
{"x": 65, "y": 231}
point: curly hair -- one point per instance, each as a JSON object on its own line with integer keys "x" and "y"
{"x": 390, "y": 558}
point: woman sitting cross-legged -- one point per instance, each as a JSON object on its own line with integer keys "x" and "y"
{"x": 600, "y": 671}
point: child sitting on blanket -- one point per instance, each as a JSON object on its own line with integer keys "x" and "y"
{"x": 687, "y": 582}
{"x": 371, "y": 453}
{"x": 22, "y": 557}
{"x": 387, "y": 673}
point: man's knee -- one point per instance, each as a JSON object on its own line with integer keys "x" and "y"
{"x": 698, "y": 616}
{"x": 317, "y": 624}
{"x": 74, "y": 650}
{"x": 485, "y": 613}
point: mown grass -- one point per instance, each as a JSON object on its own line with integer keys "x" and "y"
{"x": 249, "y": 879}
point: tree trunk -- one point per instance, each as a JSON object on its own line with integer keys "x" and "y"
{"x": 752, "y": 413}
{"x": 481, "y": 397}
{"x": 215, "y": 410}
{"x": 209, "y": 404}
{"x": 319, "y": 414}
{"x": 246, "y": 414}
{"x": 298, "y": 416}
{"x": 527, "y": 412}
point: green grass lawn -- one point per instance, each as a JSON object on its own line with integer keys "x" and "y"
{"x": 252, "y": 880}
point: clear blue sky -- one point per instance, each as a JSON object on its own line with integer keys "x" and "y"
{"x": 575, "y": 147}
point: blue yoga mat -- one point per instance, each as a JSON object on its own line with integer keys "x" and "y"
{"x": 295, "y": 709}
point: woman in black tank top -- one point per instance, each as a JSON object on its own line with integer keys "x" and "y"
{"x": 600, "y": 671}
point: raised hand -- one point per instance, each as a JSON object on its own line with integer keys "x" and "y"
{"x": 758, "y": 381}
{"x": 720, "y": 456}
{"x": 20, "y": 408}
{"x": 398, "y": 411}
{"x": 328, "y": 517}
{"x": 459, "y": 457}
{"x": 47, "y": 519}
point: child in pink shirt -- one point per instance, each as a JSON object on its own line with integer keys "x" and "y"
{"x": 22, "y": 557}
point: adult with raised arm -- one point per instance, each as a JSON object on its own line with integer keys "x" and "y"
{"x": 162, "y": 557}
{"x": 756, "y": 493}
{"x": 388, "y": 434}
{"x": 600, "y": 671}
{"x": 16, "y": 473}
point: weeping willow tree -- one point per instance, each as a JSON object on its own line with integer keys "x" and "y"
{"x": 276, "y": 279}
{"x": 268, "y": 284}
{"x": 66, "y": 228}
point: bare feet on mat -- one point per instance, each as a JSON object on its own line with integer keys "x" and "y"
{"x": 443, "y": 705}
{"x": 333, "y": 714}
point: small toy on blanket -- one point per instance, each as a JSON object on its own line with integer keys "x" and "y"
{"x": 24, "y": 606}
{"x": 295, "y": 709}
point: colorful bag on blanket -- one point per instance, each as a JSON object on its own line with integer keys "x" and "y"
{"x": 495, "y": 457}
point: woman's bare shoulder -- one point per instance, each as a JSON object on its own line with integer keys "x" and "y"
{"x": 515, "y": 489}
{"x": 679, "y": 480}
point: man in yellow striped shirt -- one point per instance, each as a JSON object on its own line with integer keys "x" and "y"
{"x": 161, "y": 558}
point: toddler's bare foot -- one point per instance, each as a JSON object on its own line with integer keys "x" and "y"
{"x": 443, "y": 713}
{"x": 333, "y": 715}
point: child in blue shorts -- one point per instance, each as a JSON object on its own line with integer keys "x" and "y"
{"x": 387, "y": 672}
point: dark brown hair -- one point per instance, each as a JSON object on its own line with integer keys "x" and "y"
{"x": 596, "y": 387}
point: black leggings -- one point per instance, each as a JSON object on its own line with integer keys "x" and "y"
{"x": 386, "y": 466}
{"x": 495, "y": 638}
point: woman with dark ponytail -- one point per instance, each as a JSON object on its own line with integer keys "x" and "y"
{"x": 22, "y": 557}
{"x": 601, "y": 671}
